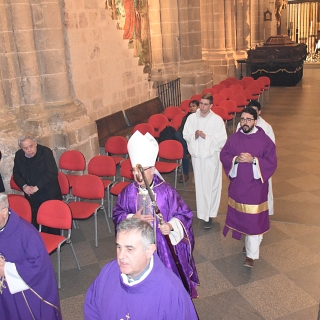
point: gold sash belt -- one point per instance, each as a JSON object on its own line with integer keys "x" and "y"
{"x": 248, "y": 208}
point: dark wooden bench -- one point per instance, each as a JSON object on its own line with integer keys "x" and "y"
{"x": 141, "y": 112}
{"x": 113, "y": 125}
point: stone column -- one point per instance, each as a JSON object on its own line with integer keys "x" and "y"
{"x": 219, "y": 39}
{"x": 175, "y": 29}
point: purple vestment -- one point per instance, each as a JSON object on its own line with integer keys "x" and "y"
{"x": 160, "y": 296}
{"x": 171, "y": 205}
{"x": 247, "y": 203}
{"x": 20, "y": 243}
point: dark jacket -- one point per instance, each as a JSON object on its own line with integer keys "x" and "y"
{"x": 41, "y": 171}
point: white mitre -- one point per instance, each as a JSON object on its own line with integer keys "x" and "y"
{"x": 143, "y": 149}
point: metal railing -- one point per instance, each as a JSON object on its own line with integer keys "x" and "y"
{"x": 169, "y": 93}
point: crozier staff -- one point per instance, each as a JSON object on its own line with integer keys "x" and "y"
{"x": 134, "y": 201}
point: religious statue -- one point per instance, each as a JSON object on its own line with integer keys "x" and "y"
{"x": 279, "y": 5}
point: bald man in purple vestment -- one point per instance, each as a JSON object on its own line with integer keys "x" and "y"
{"x": 28, "y": 288}
{"x": 137, "y": 285}
{"x": 134, "y": 201}
{"x": 249, "y": 160}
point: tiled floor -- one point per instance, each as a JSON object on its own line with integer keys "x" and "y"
{"x": 285, "y": 282}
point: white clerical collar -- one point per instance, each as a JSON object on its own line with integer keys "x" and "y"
{"x": 133, "y": 281}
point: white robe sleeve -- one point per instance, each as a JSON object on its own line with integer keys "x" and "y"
{"x": 177, "y": 234}
{"x": 14, "y": 281}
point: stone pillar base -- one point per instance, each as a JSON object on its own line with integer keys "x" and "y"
{"x": 222, "y": 64}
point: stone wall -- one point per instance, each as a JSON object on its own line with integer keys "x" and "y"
{"x": 105, "y": 76}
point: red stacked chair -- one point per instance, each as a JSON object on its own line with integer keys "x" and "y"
{"x": 158, "y": 120}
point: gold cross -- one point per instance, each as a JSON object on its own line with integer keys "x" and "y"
{"x": 2, "y": 284}
{"x": 2, "y": 279}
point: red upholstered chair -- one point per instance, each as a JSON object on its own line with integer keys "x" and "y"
{"x": 217, "y": 98}
{"x": 232, "y": 79}
{"x": 240, "y": 100}
{"x": 64, "y": 186}
{"x": 227, "y": 92}
{"x": 209, "y": 90}
{"x": 126, "y": 179}
{"x": 261, "y": 84}
{"x": 105, "y": 168}
{"x": 223, "y": 113}
{"x": 86, "y": 189}
{"x": 56, "y": 214}
{"x": 144, "y": 128}
{"x": 72, "y": 161}
{"x": 218, "y": 87}
{"x": 226, "y": 83}
{"x": 255, "y": 91}
{"x": 184, "y": 106}
{"x": 116, "y": 147}
{"x": 232, "y": 108}
{"x": 236, "y": 87}
{"x": 247, "y": 93}
{"x": 196, "y": 97}
{"x": 171, "y": 112}
{"x": 267, "y": 83}
{"x": 20, "y": 205}
{"x": 14, "y": 187}
{"x": 158, "y": 120}
{"x": 171, "y": 150}
{"x": 177, "y": 120}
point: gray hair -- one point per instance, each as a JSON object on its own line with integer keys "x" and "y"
{"x": 147, "y": 233}
{"x": 26, "y": 137}
{"x": 4, "y": 199}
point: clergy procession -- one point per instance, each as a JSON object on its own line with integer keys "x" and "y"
{"x": 154, "y": 275}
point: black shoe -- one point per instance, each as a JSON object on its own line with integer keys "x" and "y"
{"x": 244, "y": 251}
{"x": 208, "y": 224}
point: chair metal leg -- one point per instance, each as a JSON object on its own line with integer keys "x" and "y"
{"x": 96, "y": 227}
{"x": 59, "y": 276}
{"x": 106, "y": 216}
{"x": 74, "y": 255}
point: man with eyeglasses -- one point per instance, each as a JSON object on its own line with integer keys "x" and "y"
{"x": 249, "y": 160}
{"x": 134, "y": 201}
{"x": 269, "y": 131}
{"x": 205, "y": 133}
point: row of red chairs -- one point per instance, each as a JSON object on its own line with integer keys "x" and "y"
{"x": 53, "y": 213}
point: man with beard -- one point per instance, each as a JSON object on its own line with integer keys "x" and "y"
{"x": 249, "y": 160}
{"x": 269, "y": 131}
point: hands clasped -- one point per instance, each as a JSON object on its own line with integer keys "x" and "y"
{"x": 199, "y": 133}
{"x": 244, "y": 157}
{"x": 29, "y": 190}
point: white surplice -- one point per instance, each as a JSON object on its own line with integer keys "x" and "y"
{"x": 205, "y": 155}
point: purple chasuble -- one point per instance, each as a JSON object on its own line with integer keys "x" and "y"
{"x": 20, "y": 243}
{"x": 171, "y": 205}
{"x": 247, "y": 204}
{"x": 160, "y": 296}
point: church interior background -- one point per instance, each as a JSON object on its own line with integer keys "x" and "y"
{"x": 65, "y": 64}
